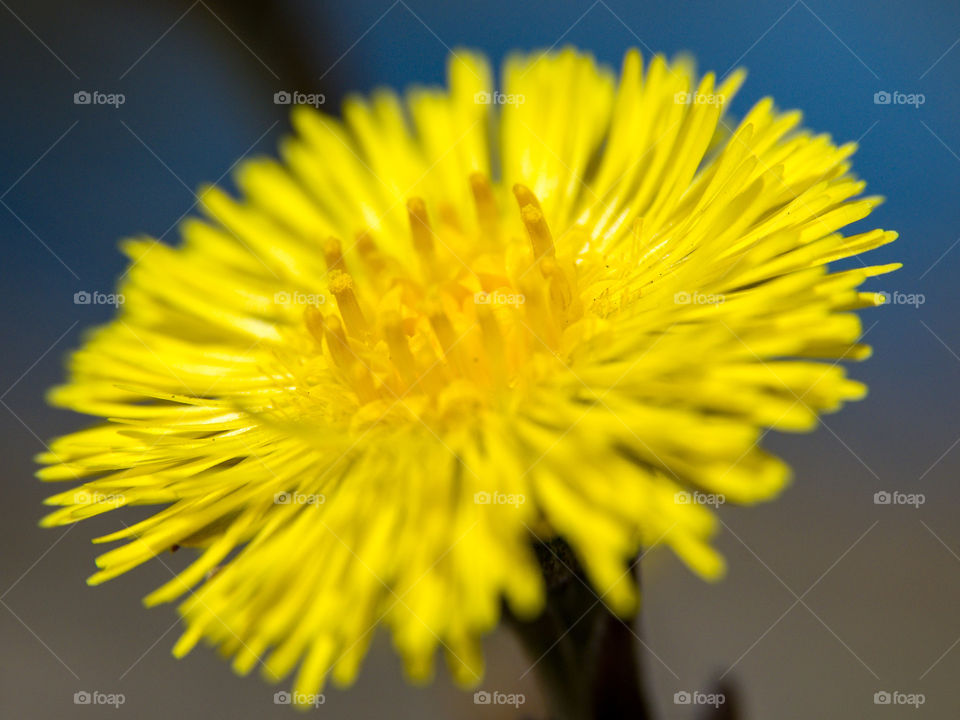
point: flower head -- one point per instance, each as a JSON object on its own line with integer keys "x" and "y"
{"x": 450, "y": 325}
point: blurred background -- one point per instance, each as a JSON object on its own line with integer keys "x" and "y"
{"x": 830, "y": 597}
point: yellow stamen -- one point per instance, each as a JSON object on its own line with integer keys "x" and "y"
{"x": 561, "y": 295}
{"x": 447, "y": 336}
{"x": 449, "y": 216}
{"x": 494, "y": 351}
{"x": 374, "y": 261}
{"x": 539, "y": 233}
{"x": 333, "y": 254}
{"x": 337, "y": 343}
{"x": 525, "y": 196}
{"x": 341, "y": 285}
{"x": 486, "y": 205}
{"x": 420, "y": 227}
{"x": 342, "y": 353}
{"x": 400, "y": 354}
{"x": 540, "y": 322}
{"x": 314, "y": 321}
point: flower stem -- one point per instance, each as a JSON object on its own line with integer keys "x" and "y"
{"x": 584, "y": 656}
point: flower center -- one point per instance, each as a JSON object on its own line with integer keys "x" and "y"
{"x": 471, "y": 312}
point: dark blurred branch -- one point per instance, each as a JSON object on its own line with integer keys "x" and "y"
{"x": 730, "y": 709}
{"x": 292, "y": 48}
{"x": 585, "y": 656}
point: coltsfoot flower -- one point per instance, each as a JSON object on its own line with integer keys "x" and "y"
{"x": 449, "y": 325}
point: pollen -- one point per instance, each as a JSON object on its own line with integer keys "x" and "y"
{"x": 420, "y": 331}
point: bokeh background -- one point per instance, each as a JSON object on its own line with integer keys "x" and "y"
{"x": 829, "y": 598}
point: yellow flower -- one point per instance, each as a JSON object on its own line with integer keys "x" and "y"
{"x": 448, "y": 325}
